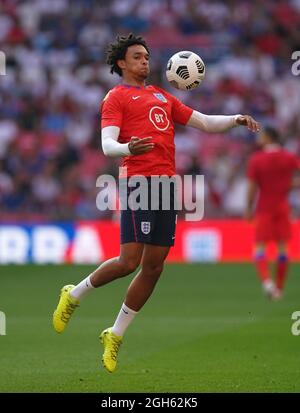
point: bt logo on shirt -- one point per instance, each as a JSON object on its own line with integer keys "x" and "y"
{"x": 159, "y": 118}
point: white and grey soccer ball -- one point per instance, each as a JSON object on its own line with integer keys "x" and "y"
{"x": 185, "y": 70}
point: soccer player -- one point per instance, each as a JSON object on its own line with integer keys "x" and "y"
{"x": 270, "y": 174}
{"x": 138, "y": 125}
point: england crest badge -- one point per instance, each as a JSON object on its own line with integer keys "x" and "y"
{"x": 160, "y": 96}
{"x": 145, "y": 227}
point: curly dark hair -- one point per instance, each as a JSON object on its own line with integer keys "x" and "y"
{"x": 273, "y": 134}
{"x": 117, "y": 50}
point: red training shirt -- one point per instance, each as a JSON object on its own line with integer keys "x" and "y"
{"x": 141, "y": 112}
{"x": 272, "y": 170}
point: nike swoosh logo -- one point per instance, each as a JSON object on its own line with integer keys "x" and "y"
{"x": 124, "y": 311}
{"x": 135, "y": 97}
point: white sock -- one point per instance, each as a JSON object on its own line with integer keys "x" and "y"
{"x": 80, "y": 290}
{"x": 125, "y": 316}
{"x": 268, "y": 286}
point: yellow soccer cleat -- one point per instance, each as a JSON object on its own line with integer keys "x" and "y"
{"x": 111, "y": 343}
{"x": 64, "y": 309}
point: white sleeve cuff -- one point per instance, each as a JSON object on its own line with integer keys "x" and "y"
{"x": 110, "y": 145}
{"x": 212, "y": 123}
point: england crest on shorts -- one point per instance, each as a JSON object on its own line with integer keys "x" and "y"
{"x": 145, "y": 227}
{"x": 160, "y": 96}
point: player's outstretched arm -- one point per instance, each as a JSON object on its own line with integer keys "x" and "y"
{"x": 220, "y": 123}
{"x": 111, "y": 147}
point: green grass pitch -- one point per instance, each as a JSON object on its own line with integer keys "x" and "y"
{"x": 207, "y": 328}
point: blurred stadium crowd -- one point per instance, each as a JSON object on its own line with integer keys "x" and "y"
{"x": 56, "y": 77}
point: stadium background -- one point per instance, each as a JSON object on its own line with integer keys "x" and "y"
{"x": 50, "y": 156}
{"x": 56, "y": 78}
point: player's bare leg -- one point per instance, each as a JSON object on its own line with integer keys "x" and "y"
{"x": 127, "y": 262}
{"x": 138, "y": 293}
{"x": 262, "y": 269}
{"x": 281, "y": 267}
{"x": 144, "y": 282}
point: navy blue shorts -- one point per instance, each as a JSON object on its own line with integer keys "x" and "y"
{"x": 150, "y": 224}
